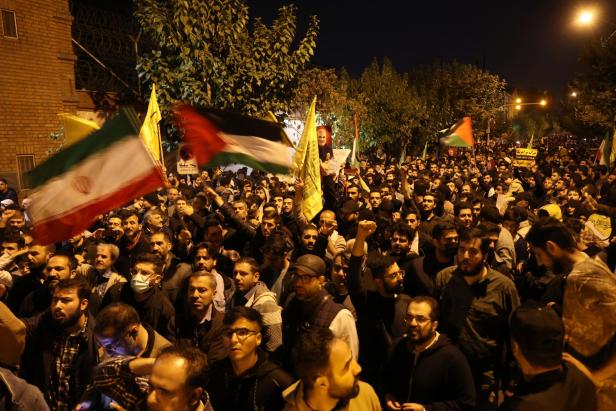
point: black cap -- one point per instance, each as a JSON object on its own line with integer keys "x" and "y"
{"x": 539, "y": 332}
{"x": 310, "y": 264}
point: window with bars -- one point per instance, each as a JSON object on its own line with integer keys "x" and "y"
{"x": 25, "y": 163}
{"x": 9, "y": 24}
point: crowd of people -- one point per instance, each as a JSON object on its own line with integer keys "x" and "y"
{"x": 456, "y": 281}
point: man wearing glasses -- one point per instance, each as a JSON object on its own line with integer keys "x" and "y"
{"x": 424, "y": 368}
{"x": 311, "y": 306}
{"x": 246, "y": 379}
{"x": 380, "y": 311}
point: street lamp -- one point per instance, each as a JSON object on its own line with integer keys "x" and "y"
{"x": 518, "y": 107}
{"x": 573, "y": 94}
{"x": 585, "y": 17}
{"x": 543, "y": 102}
{"x": 518, "y": 100}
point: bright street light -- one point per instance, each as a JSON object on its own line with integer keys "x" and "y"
{"x": 573, "y": 94}
{"x": 585, "y": 17}
{"x": 518, "y": 107}
{"x": 518, "y": 100}
{"x": 543, "y": 102}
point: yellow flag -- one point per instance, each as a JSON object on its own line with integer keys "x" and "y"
{"x": 308, "y": 165}
{"x": 76, "y": 128}
{"x": 149, "y": 130}
{"x": 613, "y": 151}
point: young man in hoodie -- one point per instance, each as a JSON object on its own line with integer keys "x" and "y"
{"x": 252, "y": 293}
{"x": 246, "y": 380}
{"x": 425, "y": 371}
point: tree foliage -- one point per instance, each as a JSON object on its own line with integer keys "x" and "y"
{"x": 206, "y": 52}
{"x": 595, "y": 85}
{"x": 395, "y": 111}
{"x": 455, "y": 90}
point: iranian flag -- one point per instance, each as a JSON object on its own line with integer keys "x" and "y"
{"x": 103, "y": 171}
{"x": 460, "y": 134}
{"x": 219, "y": 137}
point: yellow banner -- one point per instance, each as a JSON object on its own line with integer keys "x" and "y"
{"x": 149, "y": 130}
{"x": 524, "y": 157}
{"x": 308, "y": 165}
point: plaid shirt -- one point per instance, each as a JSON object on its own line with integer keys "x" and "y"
{"x": 65, "y": 349}
{"x": 114, "y": 379}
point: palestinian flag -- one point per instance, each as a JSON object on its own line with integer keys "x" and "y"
{"x": 102, "y": 171}
{"x": 603, "y": 153}
{"x": 218, "y": 137}
{"x": 460, "y": 134}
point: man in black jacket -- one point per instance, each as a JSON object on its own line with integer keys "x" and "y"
{"x": 246, "y": 380}
{"x": 548, "y": 383}
{"x": 198, "y": 321}
{"x": 425, "y": 371}
{"x": 380, "y": 312}
{"x": 60, "y": 348}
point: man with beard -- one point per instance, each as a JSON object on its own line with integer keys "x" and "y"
{"x": 588, "y": 290}
{"x": 60, "y": 266}
{"x": 476, "y": 302}
{"x": 199, "y": 322}
{"x": 312, "y": 307}
{"x": 133, "y": 241}
{"x": 329, "y": 377}
{"x": 380, "y": 311}
{"x": 174, "y": 272}
{"x": 438, "y": 376}
{"x": 246, "y": 380}
{"x": 252, "y": 293}
{"x": 60, "y": 351}
{"x": 422, "y": 271}
{"x": 311, "y": 242}
{"x": 24, "y": 285}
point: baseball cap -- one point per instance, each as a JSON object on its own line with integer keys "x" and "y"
{"x": 538, "y": 330}
{"x": 310, "y": 264}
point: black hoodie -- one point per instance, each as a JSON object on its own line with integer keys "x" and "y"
{"x": 260, "y": 388}
{"x": 438, "y": 378}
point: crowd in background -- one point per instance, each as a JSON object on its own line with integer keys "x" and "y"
{"x": 457, "y": 281}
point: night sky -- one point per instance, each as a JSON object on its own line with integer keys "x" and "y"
{"x": 530, "y": 43}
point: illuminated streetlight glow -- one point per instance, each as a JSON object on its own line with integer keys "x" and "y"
{"x": 518, "y": 100}
{"x": 585, "y": 17}
{"x": 518, "y": 107}
{"x": 573, "y": 94}
{"x": 543, "y": 102}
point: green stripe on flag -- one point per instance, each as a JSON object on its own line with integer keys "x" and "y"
{"x": 123, "y": 125}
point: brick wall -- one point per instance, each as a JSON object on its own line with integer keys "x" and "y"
{"x": 37, "y": 80}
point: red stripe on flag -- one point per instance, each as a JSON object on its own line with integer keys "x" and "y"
{"x": 200, "y": 134}
{"x": 68, "y": 225}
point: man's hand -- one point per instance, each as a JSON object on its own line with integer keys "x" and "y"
{"x": 366, "y": 228}
{"x": 213, "y": 195}
{"x": 299, "y": 185}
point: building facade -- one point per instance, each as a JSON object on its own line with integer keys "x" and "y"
{"x": 37, "y": 81}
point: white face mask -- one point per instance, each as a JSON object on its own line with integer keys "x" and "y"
{"x": 140, "y": 283}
